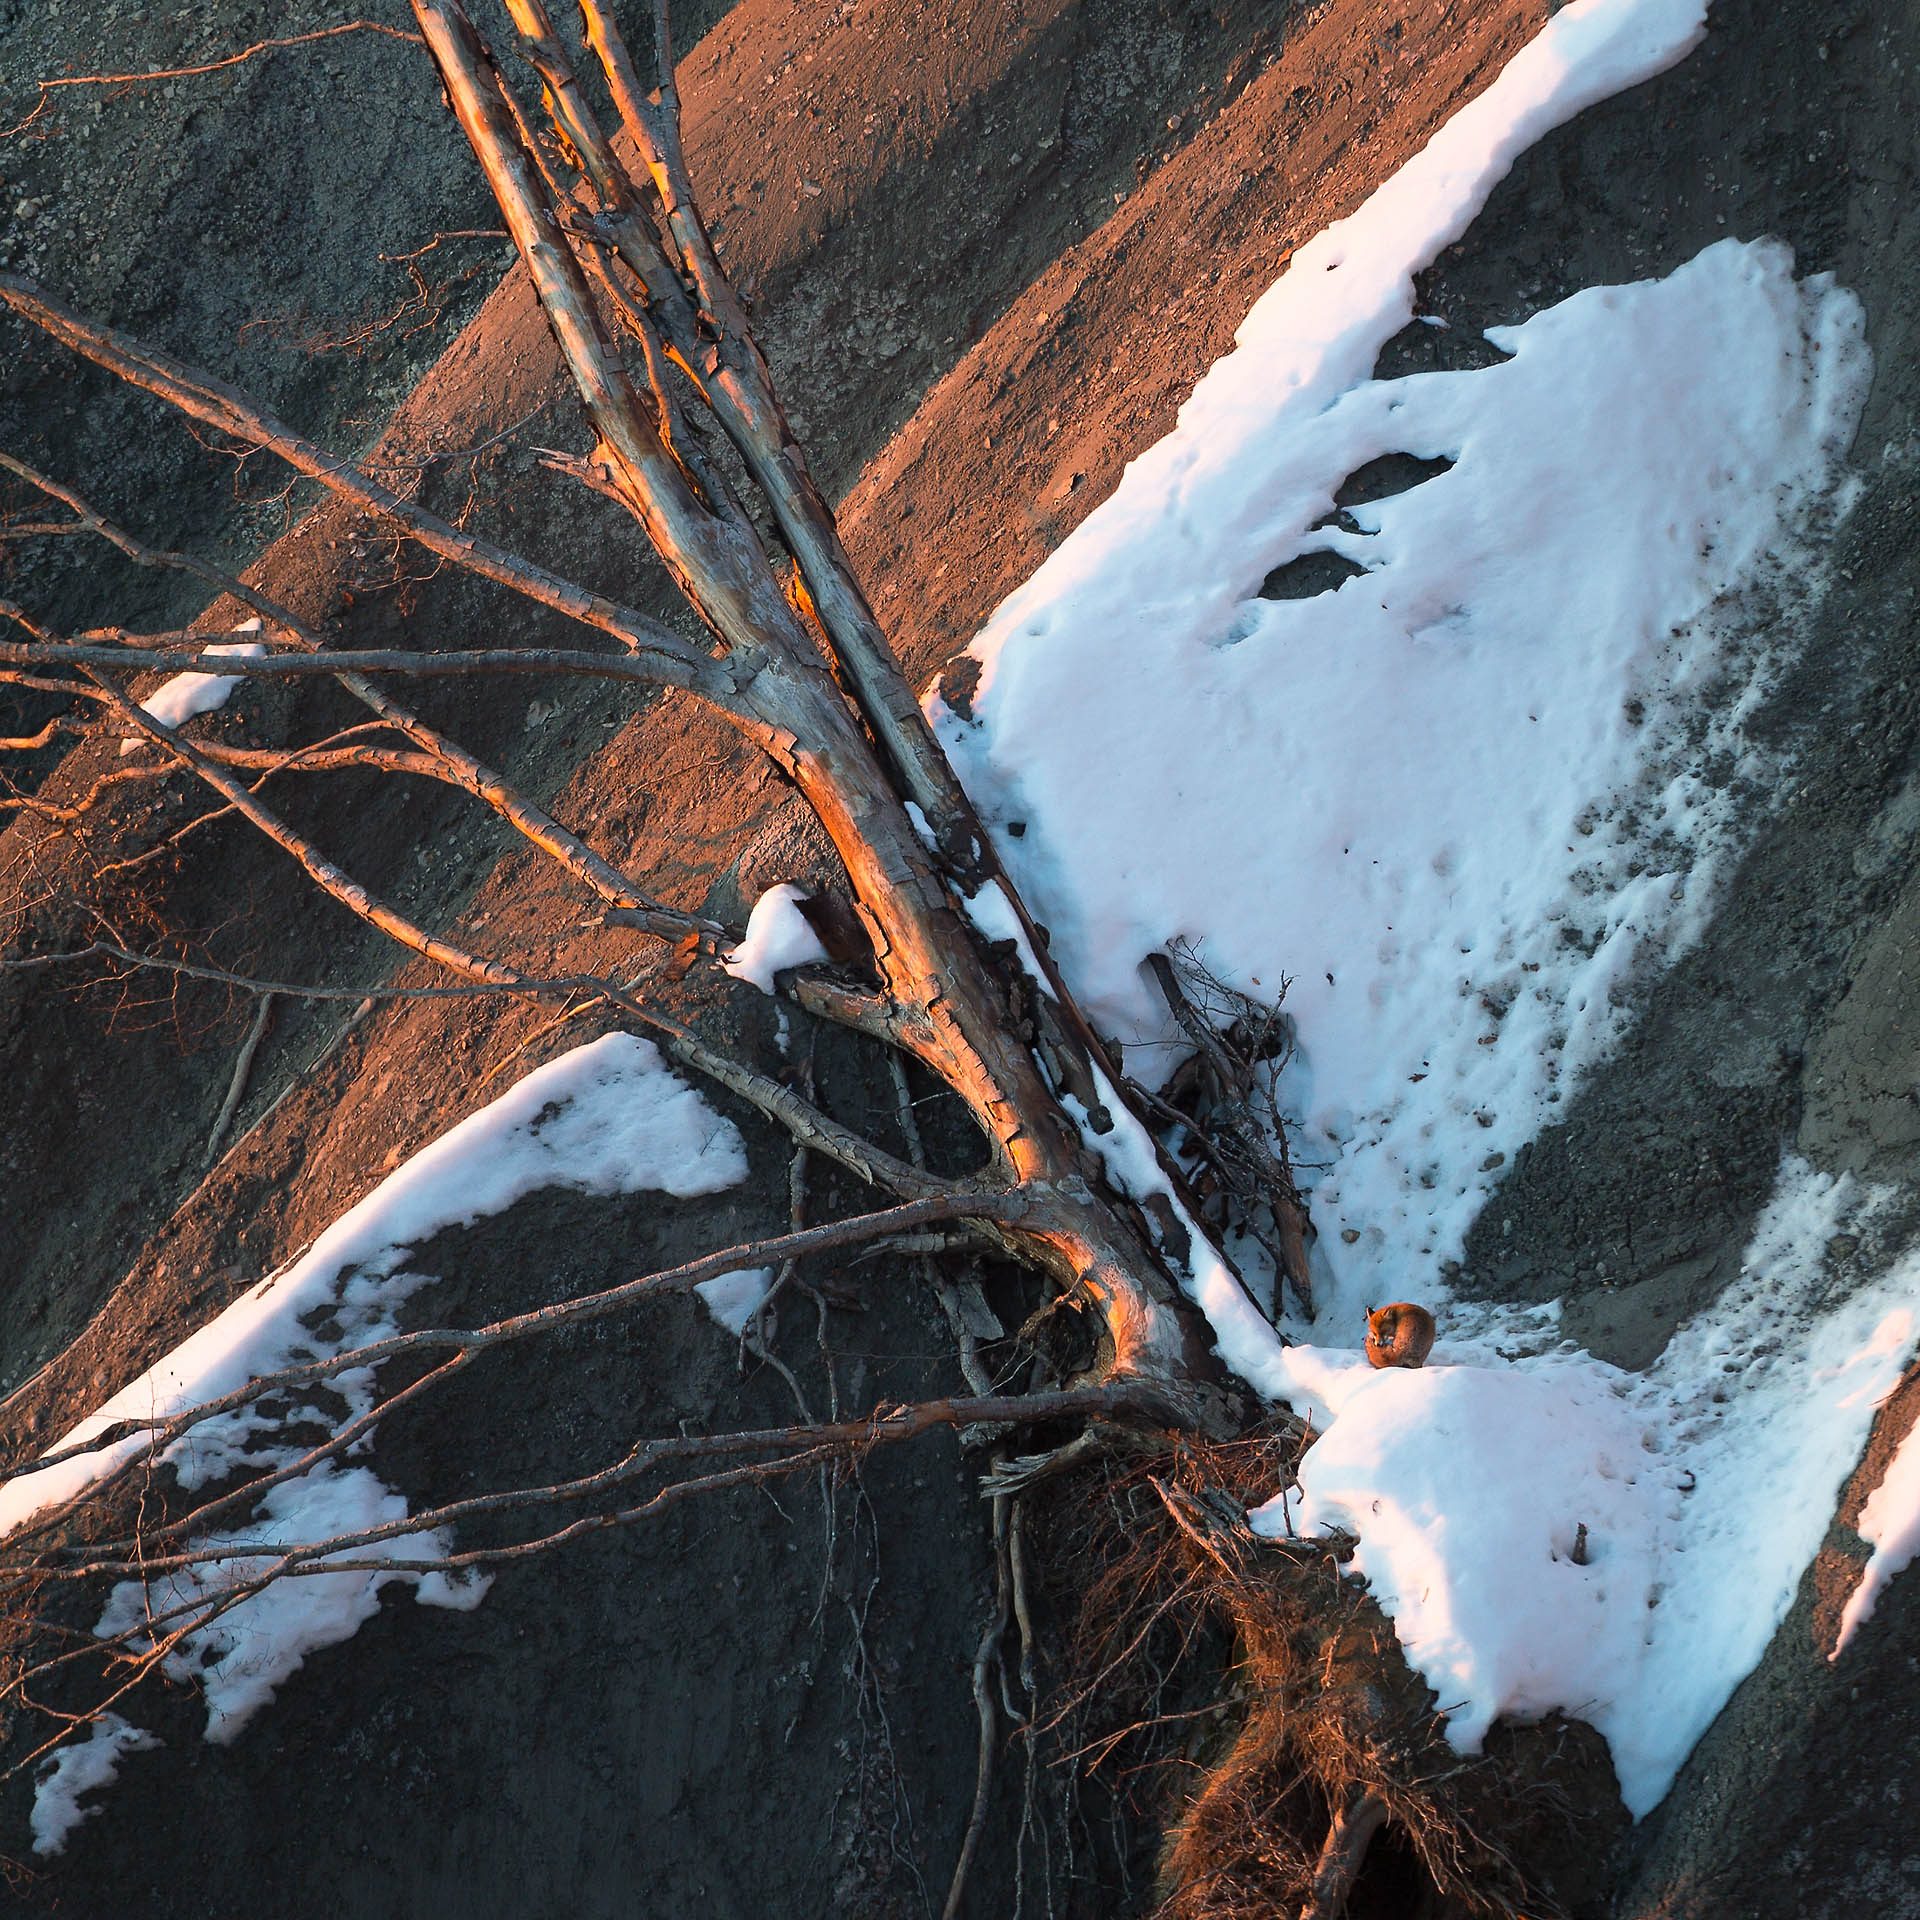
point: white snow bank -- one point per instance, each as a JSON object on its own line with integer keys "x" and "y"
{"x": 1466, "y": 801}
{"x": 1468, "y": 1487}
{"x": 77, "y": 1769}
{"x": 1458, "y": 799}
{"x": 1890, "y": 1525}
{"x": 1705, "y": 1486}
{"x": 1760, "y": 1407}
{"x": 607, "y": 1118}
{"x": 240, "y": 1657}
{"x": 1461, "y": 799}
{"x": 778, "y": 936}
{"x": 734, "y": 1298}
{"x": 188, "y": 695}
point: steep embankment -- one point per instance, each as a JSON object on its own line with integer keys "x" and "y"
{"x": 666, "y": 1724}
{"x": 958, "y": 153}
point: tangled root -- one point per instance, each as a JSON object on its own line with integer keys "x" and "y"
{"x": 1320, "y": 1783}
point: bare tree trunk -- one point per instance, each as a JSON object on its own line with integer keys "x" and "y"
{"x": 949, "y": 1008}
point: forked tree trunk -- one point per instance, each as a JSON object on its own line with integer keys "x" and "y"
{"x": 800, "y": 666}
{"x": 947, "y": 1004}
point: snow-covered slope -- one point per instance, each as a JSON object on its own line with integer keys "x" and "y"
{"x": 1466, "y": 804}
{"x": 606, "y": 1118}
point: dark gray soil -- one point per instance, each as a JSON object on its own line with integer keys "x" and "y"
{"x": 1013, "y": 267}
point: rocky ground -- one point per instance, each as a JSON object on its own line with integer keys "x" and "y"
{"x": 990, "y": 248}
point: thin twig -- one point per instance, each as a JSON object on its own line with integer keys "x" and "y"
{"x": 242, "y": 1068}
{"x": 986, "y": 1658}
{"x": 259, "y": 48}
{"x": 457, "y": 766}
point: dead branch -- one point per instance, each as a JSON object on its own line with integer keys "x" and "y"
{"x": 985, "y": 1661}
{"x": 60, "y": 724}
{"x": 654, "y": 338}
{"x": 160, "y": 1433}
{"x": 212, "y": 402}
{"x": 419, "y": 312}
{"x": 1340, "y": 1860}
{"x": 288, "y": 989}
{"x": 1233, "y": 1117}
{"x": 950, "y": 1005}
{"x": 778, "y": 1102}
{"x": 452, "y": 761}
{"x": 47, "y": 88}
{"x": 183, "y": 653}
{"x": 242, "y": 1068}
{"x": 796, "y": 1447}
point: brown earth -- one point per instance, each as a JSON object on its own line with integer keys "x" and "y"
{"x": 1013, "y": 268}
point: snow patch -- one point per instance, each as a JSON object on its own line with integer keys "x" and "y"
{"x": 1468, "y": 800}
{"x": 1464, "y": 799}
{"x": 239, "y": 1658}
{"x": 77, "y": 1769}
{"x": 606, "y": 1118}
{"x": 188, "y": 695}
{"x": 1469, "y": 1488}
{"x": 1890, "y": 1525}
{"x": 778, "y": 936}
{"x": 734, "y": 1298}
{"x": 1704, "y": 1486}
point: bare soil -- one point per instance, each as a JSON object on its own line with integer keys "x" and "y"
{"x": 991, "y": 247}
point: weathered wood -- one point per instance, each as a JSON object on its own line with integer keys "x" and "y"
{"x": 1343, "y": 1855}
{"x": 952, "y": 1007}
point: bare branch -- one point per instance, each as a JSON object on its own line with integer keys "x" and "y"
{"x": 460, "y": 767}
{"x": 184, "y": 653}
{"x": 803, "y": 1120}
{"x": 214, "y": 403}
{"x": 242, "y": 1068}
{"x": 1002, "y": 1206}
{"x": 259, "y": 48}
{"x": 734, "y": 374}
{"x": 292, "y": 989}
{"x": 60, "y": 724}
{"x": 799, "y": 1446}
{"x": 715, "y": 557}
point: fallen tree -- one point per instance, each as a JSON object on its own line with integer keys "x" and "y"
{"x": 929, "y": 954}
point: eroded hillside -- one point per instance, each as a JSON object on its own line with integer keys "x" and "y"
{"x": 990, "y": 250}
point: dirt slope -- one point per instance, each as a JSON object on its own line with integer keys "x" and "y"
{"x": 1014, "y": 260}
{"x": 758, "y": 1753}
